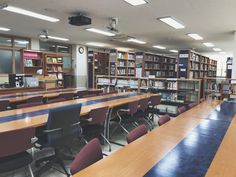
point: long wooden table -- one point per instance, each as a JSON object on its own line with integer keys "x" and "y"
{"x": 37, "y": 116}
{"x": 160, "y": 152}
{"x": 19, "y": 97}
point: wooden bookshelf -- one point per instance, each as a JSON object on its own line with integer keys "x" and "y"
{"x": 193, "y": 65}
{"x": 98, "y": 64}
{"x": 53, "y": 67}
{"x": 31, "y": 62}
{"x": 155, "y": 65}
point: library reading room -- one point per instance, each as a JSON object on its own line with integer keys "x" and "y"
{"x": 117, "y": 88}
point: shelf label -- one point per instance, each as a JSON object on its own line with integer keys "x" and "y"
{"x": 183, "y": 55}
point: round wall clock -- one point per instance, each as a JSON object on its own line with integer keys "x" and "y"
{"x": 81, "y": 50}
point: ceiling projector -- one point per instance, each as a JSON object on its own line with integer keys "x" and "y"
{"x": 80, "y": 20}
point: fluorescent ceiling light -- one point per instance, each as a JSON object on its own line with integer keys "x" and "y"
{"x": 30, "y": 13}
{"x": 159, "y": 47}
{"x": 123, "y": 49}
{"x": 96, "y": 44}
{"x": 136, "y": 2}
{"x": 22, "y": 42}
{"x": 172, "y": 22}
{"x": 174, "y": 51}
{"x": 209, "y": 44}
{"x": 195, "y": 36}
{"x": 55, "y": 38}
{"x": 4, "y": 29}
{"x": 217, "y": 49}
{"x": 136, "y": 41}
{"x": 223, "y": 53}
{"x": 106, "y": 33}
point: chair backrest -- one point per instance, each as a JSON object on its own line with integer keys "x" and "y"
{"x": 35, "y": 99}
{"x": 133, "y": 107}
{"x": 98, "y": 115}
{"x": 143, "y": 103}
{"x": 163, "y": 119}
{"x": 136, "y": 133}
{"x": 94, "y": 92}
{"x": 67, "y": 96}
{"x": 4, "y": 104}
{"x": 88, "y": 155}
{"x": 16, "y": 141}
{"x": 26, "y": 105}
{"x": 56, "y": 100}
{"x": 191, "y": 105}
{"x": 80, "y": 94}
{"x": 63, "y": 124}
{"x": 181, "y": 109}
{"x": 155, "y": 100}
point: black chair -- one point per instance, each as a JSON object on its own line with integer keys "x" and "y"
{"x": 13, "y": 154}
{"x": 62, "y": 128}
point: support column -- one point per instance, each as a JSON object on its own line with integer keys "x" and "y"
{"x": 234, "y": 58}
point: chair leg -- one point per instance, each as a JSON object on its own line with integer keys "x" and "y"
{"x": 62, "y": 164}
{"x": 108, "y": 142}
{"x": 31, "y": 171}
{"x": 45, "y": 168}
{"x": 123, "y": 128}
{"x": 84, "y": 139}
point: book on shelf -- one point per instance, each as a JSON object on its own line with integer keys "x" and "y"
{"x": 59, "y": 60}
{"x": 54, "y": 60}
{"x": 49, "y": 59}
{"x": 28, "y": 62}
{"x": 60, "y": 76}
{"x": 59, "y": 69}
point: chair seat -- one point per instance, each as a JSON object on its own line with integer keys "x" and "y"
{"x": 15, "y": 162}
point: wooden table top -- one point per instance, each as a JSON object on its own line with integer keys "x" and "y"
{"x": 19, "y": 97}
{"x": 38, "y": 115}
{"x": 159, "y": 147}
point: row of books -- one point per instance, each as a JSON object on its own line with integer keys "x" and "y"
{"x": 54, "y": 60}
{"x": 59, "y": 76}
{"x": 54, "y": 69}
{"x": 32, "y": 63}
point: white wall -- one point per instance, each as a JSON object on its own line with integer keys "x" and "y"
{"x": 80, "y": 65}
{"x": 35, "y": 44}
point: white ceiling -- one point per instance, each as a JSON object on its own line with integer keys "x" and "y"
{"x": 214, "y": 20}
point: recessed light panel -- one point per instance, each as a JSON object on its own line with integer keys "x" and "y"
{"x": 94, "y": 30}
{"x": 174, "y": 51}
{"x": 4, "y": 29}
{"x": 217, "y": 49}
{"x": 30, "y": 13}
{"x": 55, "y": 38}
{"x": 159, "y": 47}
{"x": 136, "y": 2}
{"x": 209, "y": 44}
{"x": 96, "y": 44}
{"x": 195, "y": 36}
{"x": 136, "y": 41}
{"x": 172, "y": 22}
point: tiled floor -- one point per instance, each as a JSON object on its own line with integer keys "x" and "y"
{"x": 118, "y": 136}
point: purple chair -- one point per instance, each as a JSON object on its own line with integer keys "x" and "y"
{"x": 13, "y": 154}
{"x": 26, "y": 105}
{"x": 67, "y": 96}
{"x": 56, "y": 100}
{"x": 191, "y": 105}
{"x": 36, "y": 99}
{"x": 4, "y": 104}
{"x": 163, "y": 119}
{"x": 94, "y": 125}
{"x": 181, "y": 109}
{"x": 127, "y": 116}
{"x": 88, "y": 155}
{"x": 88, "y": 96}
{"x": 80, "y": 94}
{"x": 153, "y": 102}
{"x": 136, "y": 133}
{"x": 94, "y": 92}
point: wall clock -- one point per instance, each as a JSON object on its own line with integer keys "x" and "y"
{"x": 81, "y": 50}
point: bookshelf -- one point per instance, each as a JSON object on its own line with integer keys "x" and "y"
{"x": 31, "y": 62}
{"x": 53, "y": 67}
{"x": 122, "y": 63}
{"x": 172, "y": 90}
{"x": 155, "y": 65}
{"x": 193, "y": 65}
{"x": 98, "y": 64}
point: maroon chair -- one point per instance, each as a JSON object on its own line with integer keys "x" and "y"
{"x": 38, "y": 99}
{"x": 94, "y": 92}
{"x": 181, "y": 109}
{"x": 26, "y": 105}
{"x": 67, "y": 96}
{"x": 88, "y": 96}
{"x": 136, "y": 133}
{"x": 191, "y": 105}
{"x": 94, "y": 125}
{"x": 163, "y": 119}
{"x": 56, "y": 100}
{"x": 88, "y": 155}
{"x": 127, "y": 116}
{"x": 153, "y": 102}
{"x": 13, "y": 154}
{"x": 4, "y": 104}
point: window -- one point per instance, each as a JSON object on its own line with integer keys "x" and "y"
{"x": 5, "y": 41}
{"x": 6, "y": 61}
{"x": 21, "y": 43}
{"x": 17, "y": 61}
{"x": 55, "y": 47}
